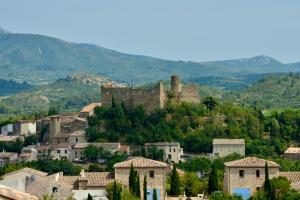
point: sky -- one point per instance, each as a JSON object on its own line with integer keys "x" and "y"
{"x": 189, "y": 30}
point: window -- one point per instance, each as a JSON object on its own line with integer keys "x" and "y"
{"x": 76, "y": 140}
{"x": 65, "y": 139}
{"x": 242, "y": 173}
{"x": 151, "y": 174}
{"x": 58, "y": 151}
{"x": 170, "y": 150}
{"x": 169, "y": 156}
{"x": 257, "y": 173}
{"x": 66, "y": 151}
{"x": 174, "y": 150}
{"x": 257, "y": 188}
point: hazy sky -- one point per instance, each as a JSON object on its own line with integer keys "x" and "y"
{"x": 173, "y": 29}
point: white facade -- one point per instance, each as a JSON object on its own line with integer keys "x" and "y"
{"x": 172, "y": 150}
{"x": 7, "y": 129}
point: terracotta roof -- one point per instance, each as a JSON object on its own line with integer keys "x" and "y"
{"x": 98, "y": 144}
{"x": 90, "y": 107}
{"x": 291, "y": 176}
{"x": 163, "y": 144}
{"x": 228, "y": 141}
{"x": 250, "y": 162}
{"x": 293, "y": 150}
{"x": 45, "y": 185}
{"x": 28, "y": 170}
{"x": 25, "y": 155}
{"x": 62, "y": 145}
{"x": 78, "y": 133}
{"x": 8, "y": 138}
{"x": 7, "y": 154}
{"x": 124, "y": 148}
{"x": 10, "y": 193}
{"x": 140, "y": 162}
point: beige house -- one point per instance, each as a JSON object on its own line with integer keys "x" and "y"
{"x": 77, "y": 137}
{"x": 225, "y": 147}
{"x": 172, "y": 150}
{"x": 8, "y": 157}
{"x": 88, "y": 110}
{"x": 246, "y": 176}
{"x": 292, "y": 153}
{"x": 24, "y": 128}
{"x": 154, "y": 170}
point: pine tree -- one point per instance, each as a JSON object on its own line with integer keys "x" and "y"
{"x": 154, "y": 194}
{"x": 138, "y": 187}
{"x": 213, "y": 182}
{"x": 175, "y": 182}
{"x": 145, "y": 188}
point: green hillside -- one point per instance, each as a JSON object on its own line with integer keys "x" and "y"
{"x": 9, "y": 87}
{"x": 41, "y": 59}
{"x": 274, "y": 91}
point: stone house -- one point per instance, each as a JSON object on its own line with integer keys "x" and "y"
{"x": 225, "y": 147}
{"x": 8, "y": 157}
{"x": 28, "y": 153}
{"x": 247, "y": 175}
{"x": 88, "y": 110}
{"x": 154, "y": 170}
{"x": 77, "y": 137}
{"x": 172, "y": 150}
{"x": 62, "y": 151}
{"x": 7, "y": 129}
{"x": 292, "y": 153}
{"x": 24, "y": 127}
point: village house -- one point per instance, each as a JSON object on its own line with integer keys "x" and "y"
{"x": 7, "y": 193}
{"x": 111, "y": 147}
{"x": 28, "y": 153}
{"x": 17, "y": 179}
{"x": 292, "y": 153}
{"x": 88, "y": 110}
{"x": 77, "y": 137}
{"x": 154, "y": 170}
{"x": 62, "y": 151}
{"x": 172, "y": 150}
{"x": 8, "y": 157}
{"x": 24, "y": 127}
{"x": 225, "y": 147}
{"x": 247, "y": 175}
{"x": 7, "y": 129}
{"x": 10, "y": 138}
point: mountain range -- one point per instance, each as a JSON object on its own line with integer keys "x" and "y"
{"x": 39, "y": 59}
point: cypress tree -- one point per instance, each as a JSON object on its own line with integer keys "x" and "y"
{"x": 131, "y": 179}
{"x": 213, "y": 180}
{"x": 269, "y": 191}
{"x": 175, "y": 182}
{"x": 145, "y": 188}
{"x": 89, "y": 197}
{"x": 115, "y": 191}
{"x": 113, "y": 103}
{"x": 138, "y": 187}
{"x": 154, "y": 194}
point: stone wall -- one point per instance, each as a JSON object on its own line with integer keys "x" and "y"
{"x": 150, "y": 99}
{"x": 190, "y": 94}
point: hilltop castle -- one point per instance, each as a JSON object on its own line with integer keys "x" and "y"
{"x": 150, "y": 98}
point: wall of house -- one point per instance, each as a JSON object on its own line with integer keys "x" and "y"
{"x": 80, "y": 139}
{"x": 189, "y": 93}
{"x": 225, "y": 149}
{"x": 232, "y": 180}
{"x": 173, "y": 150}
{"x": 158, "y": 182}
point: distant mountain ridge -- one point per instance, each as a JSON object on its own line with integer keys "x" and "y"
{"x": 40, "y": 59}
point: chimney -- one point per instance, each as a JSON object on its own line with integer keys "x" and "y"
{"x": 82, "y": 181}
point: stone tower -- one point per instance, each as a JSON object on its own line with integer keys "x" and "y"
{"x": 54, "y": 126}
{"x": 175, "y": 85}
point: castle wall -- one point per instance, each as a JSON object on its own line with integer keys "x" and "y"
{"x": 190, "y": 94}
{"x": 150, "y": 99}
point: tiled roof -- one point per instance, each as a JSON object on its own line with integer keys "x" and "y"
{"x": 98, "y": 144}
{"x": 228, "y": 141}
{"x": 140, "y": 162}
{"x": 163, "y": 144}
{"x": 293, "y": 150}
{"x": 45, "y": 185}
{"x": 7, "y": 154}
{"x": 250, "y": 162}
{"x": 28, "y": 170}
{"x": 78, "y": 133}
{"x": 90, "y": 107}
{"x": 8, "y": 138}
{"x": 291, "y": 176}
{"x": 10, "y": 193}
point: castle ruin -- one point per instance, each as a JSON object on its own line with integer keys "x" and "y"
{"x": 150, "y": 98}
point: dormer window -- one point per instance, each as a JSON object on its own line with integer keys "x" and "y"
{"x": 54, "y": 190}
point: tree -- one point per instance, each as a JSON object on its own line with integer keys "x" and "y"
{"x": 145, "y": 188}
{"x": 210, "y": 103}
{"x": 175, "y": 182}
{"x": 213, "y": 182}
{"x": 268, "y": 189}
{"x": 131, "y": 179}
{"x": 116, "y": 192}
{"x": 94, "y": 167}
{"x": 89, "y": 197}
{"x": 154, "y": 194}
{"x": 192, "y": 185}
{"x": 91, "y": 152}
{"x": 138, "y": 187}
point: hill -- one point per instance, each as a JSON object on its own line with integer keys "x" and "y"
{"x": 273, "y": 91}
{"x": 41, "y": 59}
{"x": 70, "y": 93}
{"x": 9, "y": 87}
